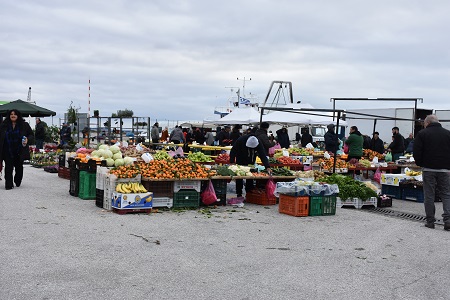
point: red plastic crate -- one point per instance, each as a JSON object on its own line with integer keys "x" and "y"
{"x": 259, "y": 196}
{"x": 63, "y": 172}
{"x": 293, "y": 205}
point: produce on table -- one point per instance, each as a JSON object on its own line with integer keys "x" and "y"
{"x": 304, "y": 174}
{"x": 199, "y": 157}
{"x": 282, "y": 172}
{"x": 162, "y": 155}
{"x": 350, "y": 188}
{"x": 286, "y": 160}
{"x": 371, "y": 154}
{"x": 224, "y": 171}
{"x": 174, "y": 169}
{"x": 413, "y": 173}
{"x": 223, "y": 158}
{"x": 362, "y": 163}
{"x": 129, "y": 171}
{"x": 328, "y": 164}
{"x": 300, "y": 151}
{"x": 241, "y": 170}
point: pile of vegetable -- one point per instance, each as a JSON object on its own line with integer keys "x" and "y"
{"x": 350, "y": 188}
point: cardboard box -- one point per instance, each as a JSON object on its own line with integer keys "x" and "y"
{"x": 392, "y": 179}
{"x": 132, "y": 201}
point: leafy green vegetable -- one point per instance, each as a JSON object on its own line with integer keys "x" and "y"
{"x": 350, "y": 188}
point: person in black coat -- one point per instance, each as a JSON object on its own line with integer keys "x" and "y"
{"x": 331, "y": 139}
{"x": 397, "y": 147}
{"x": 283, "y": 138}
{"x": 15, "y": 136}
{"x": 376, "y": 144}
{"x": 244, "y": 153}
{"x": 306, "y": 137}
{"x": 262, "y": 135}
{"x": 430, "y": 150}
{"x": 235, "y": 133}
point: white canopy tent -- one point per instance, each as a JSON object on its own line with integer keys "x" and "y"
{"x": 290, "y": 118}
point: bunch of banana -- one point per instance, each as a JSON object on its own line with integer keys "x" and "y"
{"x": 130, "y": 187}
{"x": 413, "y": 173}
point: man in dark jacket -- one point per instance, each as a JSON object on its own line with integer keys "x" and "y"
{"x": 376, "y": 144}
{"x": 244, "y": 153}
{"x": 331, "y": 139}
{"x": 39, "y": 133}
{"x": 263, "y": 137}
{"x": 283, "y": 138}
{"x": 397, "y": 147}
{"x": 223, "y": 136}
{"x": 431, "y": 149}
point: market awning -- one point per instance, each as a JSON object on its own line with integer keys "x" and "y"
{"x": 27, "y": 109}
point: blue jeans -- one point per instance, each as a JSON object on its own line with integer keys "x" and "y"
{"x": 441, "y": 181}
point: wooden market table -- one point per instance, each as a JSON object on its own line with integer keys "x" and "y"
{"x": 211, "y": 150}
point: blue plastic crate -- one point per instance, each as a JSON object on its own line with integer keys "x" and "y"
{"x": 391, "y": 190}
{"x": 414, "y": 194}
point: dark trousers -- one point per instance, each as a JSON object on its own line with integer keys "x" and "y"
{"x": 39, "y": 143}
{"x": 436, "y": 182}
{"x": 12, "y": 164}
{"x": 240, "y": 186}
{"x": 154, "y": 141}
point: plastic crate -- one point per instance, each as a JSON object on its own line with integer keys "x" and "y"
{"x": 162, "y": 202}
{"x": 384, "y": 201}
{"x": 187, "y": 185}
{"x": 100, "y": 177}
{"x": 297, "y": 206}
{"x": 329, "y": 205}
{"x": 356, "y": 202}
{"x": 186, "y": 198}
{"x": 315, "y": 205}
{"x": 86, "y": 189}
{"x": 159, "y": 188}
{"x": 259, "y": 196}
{"x": 391, "y": 190}
{"x": 62, "y": 160}
{"x": 414, "y": 194}
{"x": 99, "y": 195}
{"x": 63, "y": 172}
{"x": 74, "y": 182}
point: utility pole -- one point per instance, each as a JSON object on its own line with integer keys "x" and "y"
{"x": 29, "y": 95}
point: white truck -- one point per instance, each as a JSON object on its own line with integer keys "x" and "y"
{"x": 383, "y": 120}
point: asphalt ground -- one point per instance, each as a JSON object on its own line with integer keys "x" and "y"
{"x": 55, "y": 246}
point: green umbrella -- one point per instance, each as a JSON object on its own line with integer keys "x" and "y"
{"x": 26, "y": 108}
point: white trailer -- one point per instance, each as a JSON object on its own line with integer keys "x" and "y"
{"x": 383, "y": 120}
{"x": 444, "y": 117}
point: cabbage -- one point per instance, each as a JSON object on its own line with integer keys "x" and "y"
{"x": 95, "y": 153}
{"x": 103, "y": 147}
{"x": 101, "y": 152}
{"x": 128, "y": 160}
{"x": 118, "y": 162}
{"x": 114, "y": 149}
{"x": 117, "y": 155}
{"x": 107, "y": 153}
{"x": 109, "y": 162}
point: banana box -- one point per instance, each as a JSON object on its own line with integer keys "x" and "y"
{"x": 132, "y": 200}
{"x": 392, "y": 179}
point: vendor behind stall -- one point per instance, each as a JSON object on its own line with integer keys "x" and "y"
{"x": 244, "y": 153}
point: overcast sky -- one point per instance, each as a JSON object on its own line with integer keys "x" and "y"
{"x": 173, "y": 59}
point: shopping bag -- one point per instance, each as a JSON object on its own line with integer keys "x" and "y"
{"x": 377, "y": 175}
{"x": 272, "y": 149}
{"x": 345, "y": 148}
{"x": 270, "y": 188}
{"x": 388, "y": 157}
{"x": 208, "y": 196}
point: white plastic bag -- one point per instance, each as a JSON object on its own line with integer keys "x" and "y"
{"x": 309, "y": 146}
{"x": 147, "y": 157}
{"x": 326, "y": 155}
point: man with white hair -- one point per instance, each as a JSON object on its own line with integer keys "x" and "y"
{"x": 431, "y": 149}
{"x": 244, "y": 153}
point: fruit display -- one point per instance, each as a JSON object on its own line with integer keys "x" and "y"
{"x": 43, "y": 159}
{"x": 413, "y": 173}
{"x": 129, "y": 171}
{"x": 319, "y": 176}
{"x": 362, "y": 163}
{"x": 112, "y": 155}
{"x": 371, "y": 154}
{"x": 286, "y": 160}
{"x": 300, "y": 151}
{"x": 222, "y": 158}
{"x": 162, "y": 155}
{"x": 304, "y": 174}
{"x": 174, "y": 169}
{"x": 199, "y": 157}
{"x": 327, "y": 164}
{"x": 130, "y": 187}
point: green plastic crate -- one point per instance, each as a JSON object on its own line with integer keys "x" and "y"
{"x": 186, "y": 198}
{"x": 315, "y": 205}
{"x": 329, "y": 205}
{"x": 86, "y": 189}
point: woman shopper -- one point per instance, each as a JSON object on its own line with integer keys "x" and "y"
{"x": 15, "y": 135}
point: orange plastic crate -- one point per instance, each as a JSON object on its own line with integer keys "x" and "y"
{"x": 259, "y": 196}
{"x": 297, "y": 206}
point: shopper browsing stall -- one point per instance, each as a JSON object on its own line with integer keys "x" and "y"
{"x": 244, "y": 153}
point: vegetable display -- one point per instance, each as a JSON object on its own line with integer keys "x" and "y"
{"x": 350, "y": 188}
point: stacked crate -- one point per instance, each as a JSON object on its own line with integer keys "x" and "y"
{"x": 186, "y": 193}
